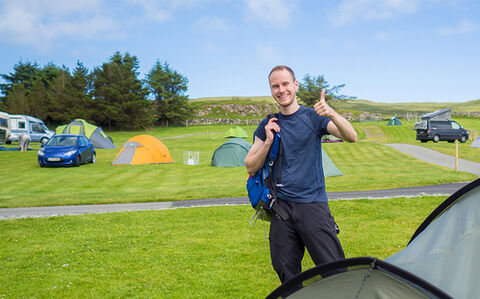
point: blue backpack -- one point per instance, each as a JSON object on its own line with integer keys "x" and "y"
{"x": 262, "y": 188}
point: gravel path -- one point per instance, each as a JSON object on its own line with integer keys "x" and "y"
{"x": 418, "y": 152}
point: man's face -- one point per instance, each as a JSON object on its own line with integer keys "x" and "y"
{"x": 283, "y": 87}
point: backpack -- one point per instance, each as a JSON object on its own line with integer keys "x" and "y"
{"x": 262, "y": 190}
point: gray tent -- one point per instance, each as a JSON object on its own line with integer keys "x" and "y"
{"x": 231, "y": 153}
{"x": 445, "y": 248}
{"x": 476, "y": 142}
{"x": 363, "y": 277}
{"x": 329, "y": 168}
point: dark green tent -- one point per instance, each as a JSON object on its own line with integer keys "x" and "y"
{"x": 231, "y": 153}
{"x": 394, "y": 121}
{"x": 236, "y": 132}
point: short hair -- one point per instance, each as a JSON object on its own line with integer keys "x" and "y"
{"x": 282, "y": 68}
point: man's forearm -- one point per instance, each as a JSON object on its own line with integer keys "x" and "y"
{"x": 344, "y": 127}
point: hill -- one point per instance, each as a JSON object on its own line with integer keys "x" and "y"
{"x": 244, "y": 110}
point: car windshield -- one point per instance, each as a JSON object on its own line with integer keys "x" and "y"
{"x": 62, "y": 141}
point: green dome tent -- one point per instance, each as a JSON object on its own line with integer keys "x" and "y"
{"x": 394, "y": 121}
{"x": 231, "y": 153}
{"x": 96, "y": 135}
{"x": 236, "y": 132}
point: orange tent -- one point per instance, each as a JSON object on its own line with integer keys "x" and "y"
{"x": 143, "y": 149}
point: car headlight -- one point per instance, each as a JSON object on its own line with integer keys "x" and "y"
{"x": 41, "y": 153}
{"x": 69, "y": 153}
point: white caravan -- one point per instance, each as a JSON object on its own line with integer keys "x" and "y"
{"x": 22, "y": 124}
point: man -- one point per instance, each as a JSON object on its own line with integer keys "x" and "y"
{"x": 301, "y": 193}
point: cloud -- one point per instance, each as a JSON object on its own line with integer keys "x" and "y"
{"x": 276, "y": 13}
{"x": 268, "y": 55}
{"x": 351, "y": 10}
{"x": 210, "y": 24}
{"x": 381, "y": 36}
{"x": 465, "y": 26}
{"x": 42, "y": 24}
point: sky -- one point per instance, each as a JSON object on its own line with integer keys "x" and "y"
{"x": 382, "y": 50}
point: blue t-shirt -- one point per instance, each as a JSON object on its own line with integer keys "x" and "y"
{"x": 302, "y": 176}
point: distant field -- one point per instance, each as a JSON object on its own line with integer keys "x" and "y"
{"x": 366, "y": 165}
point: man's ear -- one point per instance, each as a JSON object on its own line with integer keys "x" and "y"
{"x": 296, "y": 85}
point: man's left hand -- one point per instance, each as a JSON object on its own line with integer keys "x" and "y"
{"x": 321, "y": 107}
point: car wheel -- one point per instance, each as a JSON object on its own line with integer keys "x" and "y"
{"x": 94, "y": 158}
{"x": 44, "y": 140}
{"x": 41, "y": 165}
{"x": 424, "y": 141}
{"x": 436, "y": 138}
{"x": 77, "y": 161}
{"x": 463, "y": 139}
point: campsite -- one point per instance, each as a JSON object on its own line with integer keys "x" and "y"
{"x": 196, "y": 252}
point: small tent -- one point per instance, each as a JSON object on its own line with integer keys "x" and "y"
{"x": 476, "y": 142}
{"x": 394, "y": 121}
{"x": 143, "y": 149}
{"x": 329, "y": 168}
{"x": 363, "y": 277}
{"x": 444, "y": 250}
{"x": 236, "y": 132}
{"x": 231, "y": 153}
{"x": 96, "y": 135}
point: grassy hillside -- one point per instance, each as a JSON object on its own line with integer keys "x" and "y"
{"x": 355, "y": 107}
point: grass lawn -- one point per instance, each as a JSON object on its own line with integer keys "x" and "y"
{"x": 208, "y": 252}
{"x": 366, "y": 165}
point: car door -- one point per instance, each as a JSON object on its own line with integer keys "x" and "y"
{"x": 456, "y": 130}
{"x": 85, "y": 150}
{"x": 36, "y": 132}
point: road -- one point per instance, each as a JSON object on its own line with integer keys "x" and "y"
{"x": 419, "y": 152}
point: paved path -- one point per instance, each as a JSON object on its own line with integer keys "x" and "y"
{"x": 418, "y": 152}
{"x": 438, "y": 158}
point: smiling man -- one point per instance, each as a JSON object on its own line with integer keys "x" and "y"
{"x": 301, "y": 194}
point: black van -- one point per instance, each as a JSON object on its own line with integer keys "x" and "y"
{"x": 440, "y": 130}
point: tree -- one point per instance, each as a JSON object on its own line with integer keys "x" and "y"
{"x": 310, "y": 89}
{"x": 23, "y": 72}
{"x": 119, "y": 96}
{"x": 168, "y": 89}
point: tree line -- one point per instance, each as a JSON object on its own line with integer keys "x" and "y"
{"x": 111, "y": 95}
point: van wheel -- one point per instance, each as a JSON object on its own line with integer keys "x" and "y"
{"x": 463, "y": 139}
{"x": 77, "y": 161}
{"x": 436, "y": 138}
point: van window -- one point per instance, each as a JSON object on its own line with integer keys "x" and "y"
{"x": 3, "y": 122}
{"x": 455, "y": 126}
{"x": 37, "y": 128}
{"x": 21, "y": 125}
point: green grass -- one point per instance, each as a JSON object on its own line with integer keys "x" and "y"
{"x": 208, "y": 252}
{"x": 366, "y": 166}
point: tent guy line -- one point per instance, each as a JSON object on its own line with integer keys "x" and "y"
{"x": 50, "y": 211}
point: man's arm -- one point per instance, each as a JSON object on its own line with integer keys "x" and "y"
{"x": 259, "y": 150}
{"x": 338, "y": 126}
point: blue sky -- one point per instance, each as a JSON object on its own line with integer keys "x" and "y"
{"x": 382, "y": 50}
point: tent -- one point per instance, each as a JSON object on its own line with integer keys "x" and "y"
{"x": 476, "y": 142}
{"x": 236, "y": 132}
{"x": 363, "y": 277}
{"x": 96, "y": 135}
{"x": 329, "y": 168}
{"x": 143, "y": 149}
{"x": 445, "y": 248}
{"x": 231, "y": 153}
{"x": 394, "y": 121}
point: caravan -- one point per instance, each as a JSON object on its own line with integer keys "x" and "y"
{"x": 24, "y": 124}
{"x": 4, "y": 128}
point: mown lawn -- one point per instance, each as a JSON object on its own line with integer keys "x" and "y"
{"x": 366, "y": 165}
{"x": 208, "y": 252}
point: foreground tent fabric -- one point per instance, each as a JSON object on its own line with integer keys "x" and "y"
{"x": 394, "y": 121}
{"x": 476, "y": 142}
{"x": 143, "y": 149}
{"x": 445, "y": 248}
{"x": 236, "y": 132}
{"x": 363, "y": 277}
{"x": 231, "y": 153}
{"x": 96, "y": 135}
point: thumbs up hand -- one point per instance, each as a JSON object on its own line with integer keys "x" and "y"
{"x": 321, "y": 107}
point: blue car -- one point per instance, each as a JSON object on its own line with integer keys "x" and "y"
{"x": 62, "y": 150}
